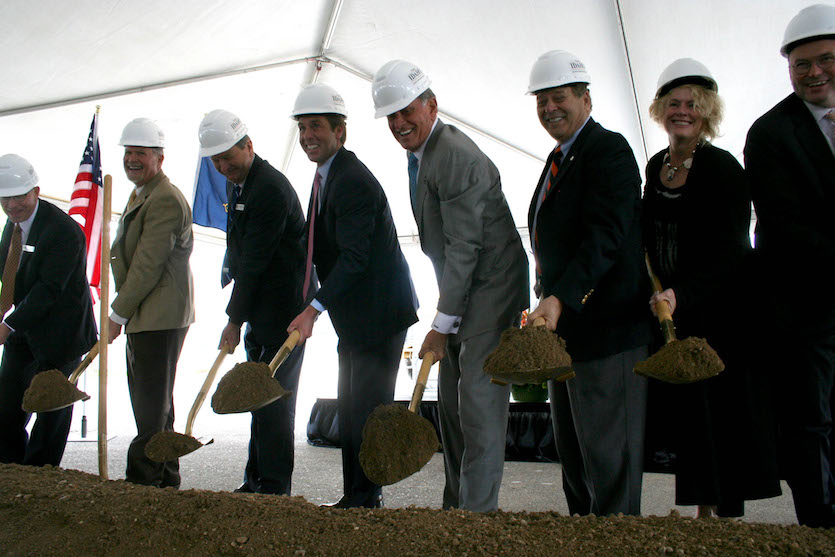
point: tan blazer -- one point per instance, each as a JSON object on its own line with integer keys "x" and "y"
{"x": 149, "y": 258}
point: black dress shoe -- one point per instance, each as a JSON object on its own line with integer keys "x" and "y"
{"x": 343, "y": 503}
{"x": 244, "y": 488}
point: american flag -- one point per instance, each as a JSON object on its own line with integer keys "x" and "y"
{"x": 86, "y": 205}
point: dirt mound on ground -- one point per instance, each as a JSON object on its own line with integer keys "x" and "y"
{"x": 53, "y": 512}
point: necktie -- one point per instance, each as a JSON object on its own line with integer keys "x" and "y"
{"x": 831, "y": 117}
{"x": 233, "y": 198}
{"x": 311, "y": 219}
{"x": 556, "y": 160}
{"x": 10, "y": 271}
{"x": 413, "y": 174}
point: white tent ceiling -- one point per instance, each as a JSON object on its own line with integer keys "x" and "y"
{"x": 175, "y": 61}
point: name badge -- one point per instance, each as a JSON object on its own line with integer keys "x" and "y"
{"x": 29, "y": 249}
{"x": 239, "y": 206}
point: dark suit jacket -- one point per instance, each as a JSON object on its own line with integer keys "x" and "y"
{"x": 366, "y": 285}
{"x": 265, "y": 254}
{"x": 791, "y": 172}
{"x": 53, "y": 311}
{"x": 468, "y": 233}
{"x": 589, "y": 238}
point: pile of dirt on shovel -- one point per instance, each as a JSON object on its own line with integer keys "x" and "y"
{"x": 245, "y": 385}
{"x": 50, "y": 389}
{"x": 527, "y": 355}
{"x": 170, "y": 445}
{"x": 52, "y": 512}
{"x": 396, "y": 443}
{"x": 682, "y": 361}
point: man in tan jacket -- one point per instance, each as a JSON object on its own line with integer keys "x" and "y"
{"x": 154, "y": 294}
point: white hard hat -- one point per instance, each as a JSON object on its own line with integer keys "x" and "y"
{"x": 17, "y": 176}
{"x": 682, "y": 72}
{"x": 319, "y": 98}
{"x": 811, "y": 23}
{"x": 555, "y": 69}
{"x": 396, "y": 85}
{"x": 219, "y": 131}
{"x": 142, "y": 132}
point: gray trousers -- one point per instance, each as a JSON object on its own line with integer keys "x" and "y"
{"x": 473, "y": 420}
{"x": 599, "y": 420}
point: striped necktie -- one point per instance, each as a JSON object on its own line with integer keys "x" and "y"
{"x": 553, "y": 169}
{"x": 10, "y": 271}
{"x": 311, "y": 218}
{"x": 831, "y": 117}
{"x": 556, "y": 161}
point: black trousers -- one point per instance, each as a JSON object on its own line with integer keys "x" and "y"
{"x": 366, "y": 380}
{"x": 49, "y": 434}
{"x": 805, "y": 398}
{"x": 269, "y": 468}
{"x": 152, "y": 364}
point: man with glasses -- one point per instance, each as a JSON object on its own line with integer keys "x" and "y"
{"x": 790, "y": 161}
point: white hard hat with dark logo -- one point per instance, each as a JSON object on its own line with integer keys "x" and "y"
{"x": 219, "y": 131}
{"x": 396, "y": 85}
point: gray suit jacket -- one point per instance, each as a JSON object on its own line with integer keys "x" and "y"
{"x": 468, "y": 233}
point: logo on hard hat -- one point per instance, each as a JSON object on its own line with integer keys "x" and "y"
{"x": 236, "y": 123}
{"x": 337, "y": 99}
{"x": 576, "y": 65}
{"x": 415, "y": 74}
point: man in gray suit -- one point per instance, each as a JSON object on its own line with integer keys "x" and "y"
{"x": 466, "y": 229}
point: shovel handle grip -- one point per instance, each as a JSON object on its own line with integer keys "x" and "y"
{"x": 420, "y": 385}
{"x": 204, "y": 390}
{"x": 284, "y": 351}
{"x": 88, "y": 359}
{"x": 662, "y": 309}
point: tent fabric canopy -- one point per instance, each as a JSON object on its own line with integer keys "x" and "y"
{"x": 175, "y": 61}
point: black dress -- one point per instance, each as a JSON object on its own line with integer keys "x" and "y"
{"x": 721, "y": 429}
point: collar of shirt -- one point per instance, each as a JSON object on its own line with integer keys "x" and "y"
{"x": 565, "y": 146}
{"x": 419, "y": 152}
{"x": 26, "y": 225}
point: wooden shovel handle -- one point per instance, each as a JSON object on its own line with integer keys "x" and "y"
{"x": 88, "y": 359}
{"x": 663, "y": 311}
{"x": 284, "y": 351}
{"x": 204, "y": 390}
{"x": 420, "y": 385}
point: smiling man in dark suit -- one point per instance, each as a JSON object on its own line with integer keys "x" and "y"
{"x": 265, "y": 258}
{"x": 791, "y": 168}
{"x": 366, "y": 287}
{"x": 585, "y": 231}
{"x": 43, "y": 259}
{"x": 468, "y": 233}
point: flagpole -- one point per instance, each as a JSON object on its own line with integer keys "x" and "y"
{"x": 104, "y": 333}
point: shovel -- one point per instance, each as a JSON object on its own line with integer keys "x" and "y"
{"x": 678, "y": 361}
{"x": 530, "y": 355}
{"x": 50, "y": 390}
{"x": 170, "y": 445}
{"x": 397, "y": 442}
{"x": 251, "y": 385}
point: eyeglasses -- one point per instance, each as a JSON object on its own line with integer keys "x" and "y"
{"x": 802, "y": 67}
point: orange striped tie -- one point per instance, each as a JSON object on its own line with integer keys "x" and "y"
{"x": 556, "y": 160}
